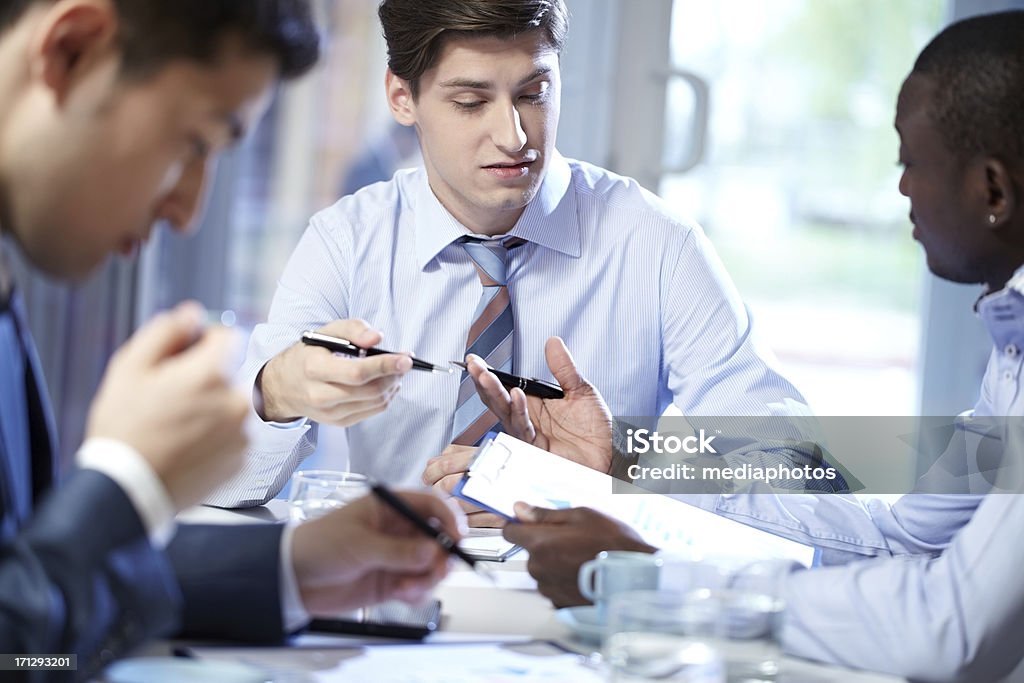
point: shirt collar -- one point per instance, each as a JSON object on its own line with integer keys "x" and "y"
{"x": 1014, "y": 284}
{"x": 1002, "y": 312}
{"x": 549, "y": 219}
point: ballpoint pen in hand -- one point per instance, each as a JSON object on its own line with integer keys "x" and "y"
{"x": 348, "y": 348}
{"x": 386, "y": 496}
{"x": 530, "y": 387}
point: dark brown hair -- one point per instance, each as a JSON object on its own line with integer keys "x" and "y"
{"x": 416, "y": 30}
{"x": 154, "y": 32}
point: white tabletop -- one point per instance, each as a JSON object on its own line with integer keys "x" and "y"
{"x": 472, "y": 610}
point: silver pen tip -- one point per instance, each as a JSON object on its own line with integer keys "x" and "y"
{"x": 459, "y": 363}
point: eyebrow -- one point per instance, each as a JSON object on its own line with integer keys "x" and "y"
{"x": 487, "y": 85}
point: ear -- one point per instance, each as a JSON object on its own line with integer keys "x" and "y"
{"x": 400, "y": 99}
{"x": 1000, "y": 195}
{"x": 72, "y": 37}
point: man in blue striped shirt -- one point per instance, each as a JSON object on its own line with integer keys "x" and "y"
{"x": 635, "y": 290}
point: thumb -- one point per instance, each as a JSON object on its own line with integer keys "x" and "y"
{"x": 215, "y": 351}
{"x": 165, "y": 335}
{"x": 562, "y": 366}
{"x": 536, "y": 515}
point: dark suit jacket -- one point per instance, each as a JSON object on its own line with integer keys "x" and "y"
{"x": 77, "y": 573}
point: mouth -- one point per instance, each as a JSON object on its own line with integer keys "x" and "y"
{"x": 916, "y": 232}
{"x": 512, "y": 169}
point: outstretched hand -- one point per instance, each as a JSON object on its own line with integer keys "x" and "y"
{"x": 577, "y": 427}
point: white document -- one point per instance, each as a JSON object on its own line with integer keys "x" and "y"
{"x": 507, "y": 470}
{"x": 471, "y": 663}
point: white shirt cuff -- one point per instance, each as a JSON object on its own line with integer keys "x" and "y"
{"x": 137, "y": 479}
{"x": 293, "y": 612}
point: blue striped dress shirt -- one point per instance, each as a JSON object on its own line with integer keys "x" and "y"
{"x": 636, "y": 291}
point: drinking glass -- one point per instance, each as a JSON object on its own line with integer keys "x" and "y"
{"x": 316, "y": 492}
{"x": 742, "y": 620}
{"x": 646, "y": 640}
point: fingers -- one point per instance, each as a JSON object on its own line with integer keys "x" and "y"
{"x": 530, "y": 514}
{"x": 428, "y": 506}
{"x": 485, "y": 520}
{"x": 509, "y": 407}
{"x": 355, "y": 330}
{"x": 207, "y": 359}
{"x": 354, "y": 372}
{"x": 349, "y": 413}
{"x": 325, "y": 366}
{"x": 165, "y": 335}
{"x": 454, "y": 459}
{"x": 519, "y": 424}
{"x": 491, "y": 391}
{"x": 562, "y": 366}
{"x": 400, "y": 554}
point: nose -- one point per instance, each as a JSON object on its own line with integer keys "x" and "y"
{"x": 180, "y": 206}
{"x": 508, "y": 134}
{"x": 904, "y": 184}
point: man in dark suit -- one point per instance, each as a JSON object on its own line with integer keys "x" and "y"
{"x": 110, "y": 111}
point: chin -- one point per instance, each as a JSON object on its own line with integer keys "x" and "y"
{"x": 953, "y": 275}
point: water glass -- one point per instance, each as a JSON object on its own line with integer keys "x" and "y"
{"x": 646, "y": 639}
{"x": 742, "y": 620}
{"x": 316, "y": 492}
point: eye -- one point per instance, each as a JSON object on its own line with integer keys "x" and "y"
{"x": 539, "y": 94}
{"x": 467, "y": 106}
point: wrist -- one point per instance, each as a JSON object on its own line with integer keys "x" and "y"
{"x": 268, "y": 398}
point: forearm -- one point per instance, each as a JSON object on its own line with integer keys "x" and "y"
{"x": 956, "y": 617}
{"x": 230, "y": 580}
{"x": 82, "y": 577}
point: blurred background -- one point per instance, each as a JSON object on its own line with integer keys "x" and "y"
{"x": 770, "y": 123}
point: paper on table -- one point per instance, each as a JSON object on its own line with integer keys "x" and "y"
{"x": 507, "y": 470}
{"x": 487, "y": 544}
{"x": 470, "y": 663}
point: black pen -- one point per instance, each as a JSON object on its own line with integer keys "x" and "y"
{"x": 398, "y": 505}
{"x": 349, "y": 349}
{"x": 530, "y": 387}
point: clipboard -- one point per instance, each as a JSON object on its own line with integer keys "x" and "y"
{"x": 506, "y": 470}
{"x": 488, "y": 469}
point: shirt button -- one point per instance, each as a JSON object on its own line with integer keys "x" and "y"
{"x": 1012, "y": 351}
{"x": 1007, "y": 375}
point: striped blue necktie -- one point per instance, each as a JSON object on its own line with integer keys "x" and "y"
{"x": 490, "y": 335}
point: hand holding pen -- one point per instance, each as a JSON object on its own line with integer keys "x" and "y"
{"x": 577, "y": 427}
{"x": 308, "y": 381}
{"x": 447, "y": 542}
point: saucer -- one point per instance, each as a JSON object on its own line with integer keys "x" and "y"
{"x": 584, "y": 622}
{"x": 177, "y": 669}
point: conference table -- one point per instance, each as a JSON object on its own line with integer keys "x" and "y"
{"x": 509, "y": 611}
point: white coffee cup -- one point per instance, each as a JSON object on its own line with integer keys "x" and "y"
{"x": 617, "y": 571}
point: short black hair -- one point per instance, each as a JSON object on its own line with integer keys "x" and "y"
{"x": 977, "y": 68}
{"x": 154, "y": 32}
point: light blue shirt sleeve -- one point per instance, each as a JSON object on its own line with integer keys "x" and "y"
{"x": 313, "y": 287}
{"x": 955, "y": 617}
